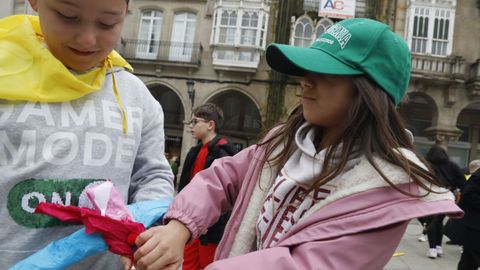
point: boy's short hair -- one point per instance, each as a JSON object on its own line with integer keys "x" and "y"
{"x": 210, "y": 111}
{"x": 473, "y": 166}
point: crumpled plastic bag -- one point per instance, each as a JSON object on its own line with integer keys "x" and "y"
{"x": 72, "y": 249}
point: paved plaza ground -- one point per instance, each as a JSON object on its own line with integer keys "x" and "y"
{"x": 415, "y": 258}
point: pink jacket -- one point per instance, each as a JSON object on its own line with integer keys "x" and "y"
{"x": 358, "y": 228}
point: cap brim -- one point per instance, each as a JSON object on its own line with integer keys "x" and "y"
{"x": 298, "y": 61}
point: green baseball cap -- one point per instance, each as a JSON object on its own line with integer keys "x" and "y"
{"x": 355, "y": 46}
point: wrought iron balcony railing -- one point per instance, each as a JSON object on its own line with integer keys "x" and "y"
{"x": 163, "y": 51}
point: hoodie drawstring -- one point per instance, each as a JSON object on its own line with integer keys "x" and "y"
{"x": 119, "y": 100}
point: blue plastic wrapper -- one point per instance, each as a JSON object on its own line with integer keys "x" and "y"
{"x": 72, "y": 249}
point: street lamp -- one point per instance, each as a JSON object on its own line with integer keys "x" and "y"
{"x": 191, "y": 90}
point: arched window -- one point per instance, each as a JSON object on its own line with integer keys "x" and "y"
{"x": 149, "y": 34}
{"x": 173, "y": 118}
{"x": 171, "y": 105}
{"x": 242, "y": 118}
{"x": 322, "y": 26}
{"x": 303, "y": 32}
{"x": 183, "y": 36}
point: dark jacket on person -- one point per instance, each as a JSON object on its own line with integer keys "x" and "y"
{"x": 218, "y": 147}
{"x": 470, "y": 202}
{"x": 449, "y": 174}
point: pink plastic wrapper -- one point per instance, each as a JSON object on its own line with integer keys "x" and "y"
{"x": 108, "y": 201}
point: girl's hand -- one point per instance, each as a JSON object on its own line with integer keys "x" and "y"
{"x": 126, "y": 262}
{"x": 161, "y": 247}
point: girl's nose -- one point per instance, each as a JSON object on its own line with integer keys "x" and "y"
{"x": 305, "y": 84}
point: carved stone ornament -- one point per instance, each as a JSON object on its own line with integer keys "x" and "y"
{"x": 443, "y": 135}
{"x": 473, "y": 89}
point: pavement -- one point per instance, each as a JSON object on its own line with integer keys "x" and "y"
{"x": 412, "y": 253}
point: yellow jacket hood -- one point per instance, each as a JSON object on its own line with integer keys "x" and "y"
{"x": 29, "y": 71}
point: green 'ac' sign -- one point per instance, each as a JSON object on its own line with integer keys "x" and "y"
{"x": 27, "y": 194}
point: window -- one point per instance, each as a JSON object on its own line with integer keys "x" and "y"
{"x": 225, "y": 54}
{"x": 241, "y": 115}
{"x": 322, "y": 26}
{"x": 228, "y": 27}
{"x": 263, "y": 29}
{"x": 420, "y": 30}
{"x": 249, "y": 27}
{"x": 440, "y": 32}
{"x": 303, "y": 32}
{"x": 430, "y": 28}
{"x": 183, "y": 36}
{"x": 239, "y": 33}
{"x": 149, "y": 34}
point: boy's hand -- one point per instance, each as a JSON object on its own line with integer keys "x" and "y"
{"x": 161, "y": 247}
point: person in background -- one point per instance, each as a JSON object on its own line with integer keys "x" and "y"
{"x": 451, "y": 177}
{"x": 473, "y": 166}
{"x": 71, "y": 115}
{"x": 470, "y": 203}
{"x": 207, "y": 120}
{"x": 175, "y": 164}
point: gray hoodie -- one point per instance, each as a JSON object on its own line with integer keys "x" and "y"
{"x": 52, "y": 151}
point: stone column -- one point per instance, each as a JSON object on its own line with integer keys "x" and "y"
{"x": 475, "y": 132}
{"x": 442, "y": 136}
{"x": 187, "y": 143}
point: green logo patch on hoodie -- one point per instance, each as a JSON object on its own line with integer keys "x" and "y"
{"x": 24, "y": 197}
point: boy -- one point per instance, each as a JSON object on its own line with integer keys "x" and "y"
{"x": 71, "y": 115}
{"x": 205, "y": 123}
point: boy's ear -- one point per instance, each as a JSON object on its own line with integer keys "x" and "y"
{"x": 33, "y": 4}
{"x": 211, "y": 125}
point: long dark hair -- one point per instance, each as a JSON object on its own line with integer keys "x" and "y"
{"x": 436, "y": 154}
{"x": 373, "y": 126}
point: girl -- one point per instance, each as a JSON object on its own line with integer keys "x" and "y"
{"x": 452, "y": 178}
{"x": 71, "y": 115}
{"x": 334, "y": 187}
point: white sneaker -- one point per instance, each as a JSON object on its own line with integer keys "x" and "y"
{"x": 422, "y": 238}
{"x": 439, "y": 251}
{"x": 432, "y": 253}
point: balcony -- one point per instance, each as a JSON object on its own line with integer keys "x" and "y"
{"x": 311, "y": 5}
{"x": 161, "y": 52}
{"x": 426, "y": 66}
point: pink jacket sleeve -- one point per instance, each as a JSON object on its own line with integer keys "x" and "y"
{"x": 211, "y": 192}
{"x": 365, "y": 250}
